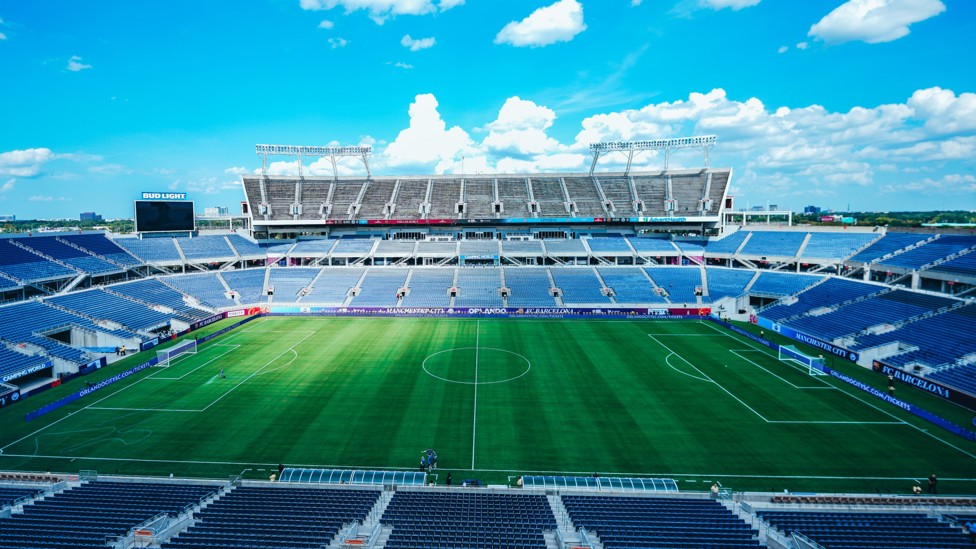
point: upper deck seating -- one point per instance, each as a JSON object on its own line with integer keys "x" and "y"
{"x": 52, "y": 247}
{"x": 773, "y": 243}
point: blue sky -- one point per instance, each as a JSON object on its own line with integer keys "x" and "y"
{"x": 866, "y": 103}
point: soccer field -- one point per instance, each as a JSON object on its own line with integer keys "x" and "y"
{"x": 681, "y": 399}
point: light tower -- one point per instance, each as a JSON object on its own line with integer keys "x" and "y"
{"x": 332, "y": 153}
{"x": 631, "y": 148}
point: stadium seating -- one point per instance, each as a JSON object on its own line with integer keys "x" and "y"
{"x": 466, "y": 519}
{"x": 245, "y": 247}
{"x": 727, "y": 282}
{"x": 356, "y": 246}
{"x": 485, "y": 248}
{"x": 834, "y": 245}
{"x": 10, "y": 494}
{"x": 565, "y": 247}
{"x": 623, "y": 522}
{"x": 962, "y": 377}
{"x": 206, "y": 248}
{"x": 51, "y": 246}
{"x": 942, "y": 339}
{"x": 964, "y": 265}
{"x": 889, "y": 243}
{"x": 151, "y": 250}
{"x": 478, "y": 287}
{"x": 652, "y": 246}
{"x": 530, "y": 248}
{"x": 12, "y": 362}
{"x": 102, "y": 246}
{"x": 275, "y": 517}
{"x": 727, "y": 244}
{"x": 429, "y": 288}
{"x": 774, "y": 283}
{"x": 248, "y": 283}
{"x": 609, "y": 244}
{"x": 84, "y": 516}
{"x": 579, "y": 285}
{"x": 379, "y": 287}
{"x": 679, "y": 282}
{"x": 312, "y": 247}
{"x": 7, "y": 283}
{"x": 868, "y": 530}
{"x": 831, "y": 292}
{"x": 395, "y": 248}
{"x": 25, "y": 322}
{"x": 205, "y": 287}
{"x": 21, "y": 264}
{"x": 333, "y": 285}
{"x": 151, "y": 291}
{"x": 529, "y": 287}
{"x": 773, "y": 243}
{"x": 287, "y": 283}
{"x": 100, "y": 305}
{"x": 887, "y": 308}
{"x": 929, "y": 252}
{"x": 629, "y": 285}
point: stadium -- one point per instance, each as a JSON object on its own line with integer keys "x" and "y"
{"x": 597, "y": 359}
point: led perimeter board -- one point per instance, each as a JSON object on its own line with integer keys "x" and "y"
{"x": 155, "y": 216}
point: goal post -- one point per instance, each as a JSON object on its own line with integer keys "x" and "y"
{"x": 165, "y": 356}
{"x": 815, "y": 364}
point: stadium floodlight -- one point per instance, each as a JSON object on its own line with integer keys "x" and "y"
{"x": 630, "y": 148}
{"x": 332, "y": 153}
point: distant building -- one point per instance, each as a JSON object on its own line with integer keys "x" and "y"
{"x": 215, "y": 211}
{"x": 815, "y": 210}
{"x": 90, "y": 216}
{"x": 4, "y": 218}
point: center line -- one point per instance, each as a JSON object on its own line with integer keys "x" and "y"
{"x": 474, "y": 427}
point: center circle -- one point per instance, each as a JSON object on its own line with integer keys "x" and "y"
{"x": 476, "y": 365}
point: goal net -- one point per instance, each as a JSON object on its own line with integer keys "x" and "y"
{"x": 814, "y": 364}
{"x": 165, "y": 356}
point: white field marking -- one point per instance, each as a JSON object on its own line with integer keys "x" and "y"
{"x": 229, "y": 391}
{"x": 474, "y": 426}
{"x": 824, "y": 384}
{"x": 423, "y": 365}
{"x": 719, "y": 385}
{"x": 587, "y": 473}
{"x": 859, "y": 398}
{"x": 683, "y": 335}
{"x": 157, "y": 377}
{"x": 667, "y": 360}
{"x": 53, "y": 423}
{"x": 285, "y": 365}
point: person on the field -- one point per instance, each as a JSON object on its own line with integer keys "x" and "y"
{"x": 933, "y": 484}
{"x": 714, "y": 491}
{"x": 449, "y": 479}
{"x": 917, "y": 490}
{"x": 222, "y": 374}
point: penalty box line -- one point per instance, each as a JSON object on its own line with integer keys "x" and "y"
{"x": 229, "y": 391}
{"x": 858, "y": 398}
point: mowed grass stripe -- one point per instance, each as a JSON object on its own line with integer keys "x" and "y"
{"x": 600, "y": 397}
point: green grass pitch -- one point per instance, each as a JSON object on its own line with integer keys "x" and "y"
{"x": 681, "y": 399}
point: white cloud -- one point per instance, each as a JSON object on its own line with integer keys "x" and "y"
{"x": 559, "y": 22}
{"x": 520, "y": 129}
{"x": 802, "y": 45}
{"x": 381, "y": 10}
{"x": 75, "y": 64}
{"x": 236, "y": 170}
{"x": 8, "y": 186}
{"x": 24, "y": 163}
{"x": 337, "y": 43}
{"x": 783, "y": 49}
{"x": 402, "y": 65}
{"x": 874, "y": 21}
{"x": 427, "y": 140}
{"x": 943, "y": 111}
{"x": 3, "y": 36}
{"x": 326, "y": 24}
{"x": 734, "y": 4}
{"x": 417, "y": 44}
{"x": 635, "y": 2}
